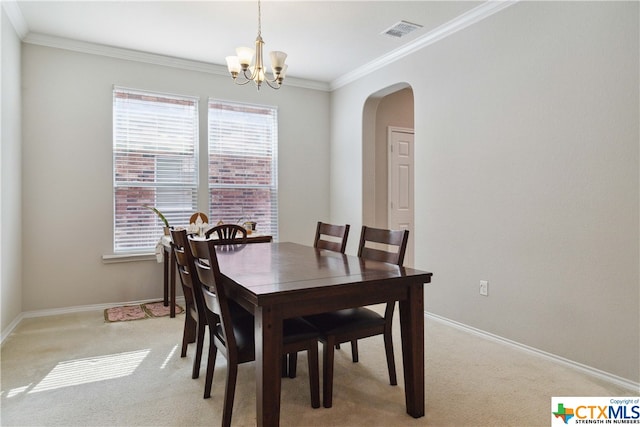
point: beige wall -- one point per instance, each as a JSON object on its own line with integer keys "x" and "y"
{"x": 10, "y": 179}
{"x": 67, "y": 186}
{"x": 527, "y": 167}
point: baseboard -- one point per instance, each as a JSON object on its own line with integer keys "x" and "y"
{"x": 606, "y": 376}
{"x": 68, "y": 310}
{"x": 11, "y": 327}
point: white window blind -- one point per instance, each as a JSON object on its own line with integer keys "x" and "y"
{"x": 243, "y": 164}
{"x": 155, "y": 140}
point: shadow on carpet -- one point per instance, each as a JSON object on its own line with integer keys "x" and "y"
{"x": 137, "y": 312}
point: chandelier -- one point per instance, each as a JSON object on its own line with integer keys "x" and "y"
{"x": 241, "y": 64}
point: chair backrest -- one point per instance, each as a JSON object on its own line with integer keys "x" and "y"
{"x": 215, "y": 298}
{"x": 228, "y": 234}
{"x": 184, "y": 264}
{"x": 337, "y": 235}
{"x": 186, "y": 267}
{"x": 396, "y": 238}
{"x": 201, "y": 215}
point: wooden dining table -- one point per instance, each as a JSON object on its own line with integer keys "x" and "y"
{"x": 276, "y": 281}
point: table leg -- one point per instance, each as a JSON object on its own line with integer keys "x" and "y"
{"x": 268, "y": 336}
{"x": 412, "y": 331}
{"x": 166, "y": 276}
{"x": 172, "y": 268}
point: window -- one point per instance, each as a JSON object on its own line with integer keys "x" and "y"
{"x": 243, "y": 171}
{"x": 155, "y": 140}
{"x": 155, "y": 158}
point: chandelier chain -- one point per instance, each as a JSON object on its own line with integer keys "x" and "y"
{"x": 259, "y": 19}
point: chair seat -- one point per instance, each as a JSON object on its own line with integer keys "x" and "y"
{"x": 298, "y": 330}
{"x": 294, "y": 330}
{"x": 237, "y": 311}
{"x": 243, "y": 333}
{"x": 341, "y": 321}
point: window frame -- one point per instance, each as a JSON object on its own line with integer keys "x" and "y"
{"x": 259, "y": 133}
{"x": 166, "y": 131}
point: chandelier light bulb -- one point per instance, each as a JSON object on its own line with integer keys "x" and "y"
{"x": 233, "y": 63}
{"x": 245, "y": 56}
{"x": 277, "y": 60}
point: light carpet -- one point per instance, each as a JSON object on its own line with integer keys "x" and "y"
{"x": 77, "y": 370}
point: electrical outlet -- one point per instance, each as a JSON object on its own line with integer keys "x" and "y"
{"x": 484, "y": 288}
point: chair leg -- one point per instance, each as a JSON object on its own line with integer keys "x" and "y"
{"x": 314, "y": 375}
{"x": 354, "y": 351}
{"x": 285, "y": 369}
{"x": 391, "y": 364}
{"x": 193, "y": 325}
{"x": 327, "y": 371}
{"x": 211, "y": 364}
{"x": 188, "y": 334}
{"x": 293, "y": 365}
{"x": 232, "y": 374}
{"x": 199, "y": 344}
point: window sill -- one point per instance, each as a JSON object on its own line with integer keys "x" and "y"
{"x": 118, "y": 258}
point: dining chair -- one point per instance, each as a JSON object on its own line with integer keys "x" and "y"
{"x": 195, "y": 321}
{"x": 333, "y": 238}
{"x": 234, "y": 335}
{"x": 228, "y": 234}
{"x": 352, "y": 324}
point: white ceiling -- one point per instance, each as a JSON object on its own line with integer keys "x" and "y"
{"x": 324, "y": 39}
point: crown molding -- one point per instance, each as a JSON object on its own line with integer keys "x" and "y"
{"x": 15, "y": 17}
{"x": 150, "y": 58}
{"x": 118, "y": 53}
{"x": 461, "y": 22}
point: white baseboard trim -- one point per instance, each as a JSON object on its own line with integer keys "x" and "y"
{"x": 11, "y": 327}
{"x": 606, "y": 376}
{"x": 68, "y": 310}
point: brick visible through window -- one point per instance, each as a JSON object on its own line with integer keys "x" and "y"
{"x": 243, "y": 172}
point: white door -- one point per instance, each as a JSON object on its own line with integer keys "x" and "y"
{"x": 400, "y": 141}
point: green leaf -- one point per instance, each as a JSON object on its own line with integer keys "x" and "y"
{"x": 157, "y": 212}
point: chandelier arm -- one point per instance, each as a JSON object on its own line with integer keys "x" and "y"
{"x": 239, "y": 83}
{"x": 253, "y": 74}
{"x": 278, "y": 86}
{"x": 275, "y": 78}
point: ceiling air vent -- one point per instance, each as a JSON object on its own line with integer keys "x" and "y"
{"x": 401, "y": 29}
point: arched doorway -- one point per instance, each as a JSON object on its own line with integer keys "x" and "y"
{"x": 392, "y": 107}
